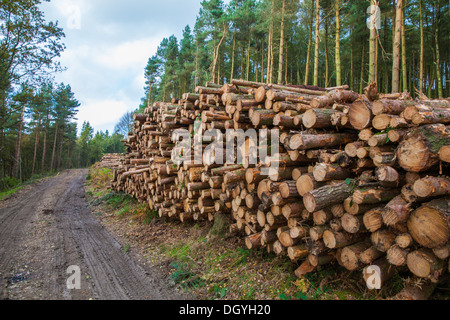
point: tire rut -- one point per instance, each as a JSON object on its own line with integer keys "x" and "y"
{"x": 47, "y": 229}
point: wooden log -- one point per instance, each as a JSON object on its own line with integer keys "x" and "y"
{"x": 377, "y": 278}
{"x": 298, "y": 252}
{"x": 429, "y": 225}
{"x": 322, "y": 217}
{"x": 383, "y": 239}
{"x": 424, "y": 143}
{"x": 404, "y": 240}
{"x": 373, "y": 219}
{"x": 288, "y": 189}
{"x": 253, "y": 241}
{"x": 370, "y": 255}
{"x": 444, "y": 154}
{"x": 417, "y": 290}
{"x": 352, "y": 147}
{"x": 304, "y": 269}
{"x": 373, "y": 196}
{"x": 286, "y": 240}
{"x": 334, "y": 240}
{"x": 319, "y": 118}
{"x": 323, "y": 197}
{"x": 327, "y": 172}
{"x": 278, "y": 248}
{"x": 321, "y": 260}
{"x": 423, "y": 263}
{"x": 293, "y": 209}
{"x": 299, "y": 232}
{"x": 309, "y": 141}
{"x": 350, "y": 255}
{"x": 442, "y": 252}
{"x": 396, "y": 211}
{"x": 307, "y": 183}
{"x": 356, "y": 209}
{"x": 388, "y": 106}
{"x": 432, "y": 187}
{"x": 360, "y": 114}
{"x": 431, "y": 117}
{"x": 338, "y": 95}
{"x": 352, "y": 224}
{"x": 397, "y": 255}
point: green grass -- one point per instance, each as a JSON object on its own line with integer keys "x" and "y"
{"x": 7, "y": 193}
{"x": 9, "y": 186}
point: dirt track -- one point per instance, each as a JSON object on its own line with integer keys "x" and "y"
{"x": 47, "y": 227}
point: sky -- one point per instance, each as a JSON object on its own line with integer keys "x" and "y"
{"x": 108, "y": 44}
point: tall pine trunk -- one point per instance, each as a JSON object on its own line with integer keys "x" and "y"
{"x": 338, "y": 45}
{"x": 247, "y": 73}
{"x": 327, "y": 69}
{"x": 396, "y": 49}
{"x": 404, "y": 67}
{"x": 281, "y": 53}
{"x": 17, "y": 155}
{"x": 373, "y": 43}
{"x": 52, "y": 163}
{"x": 438, "y": 58}
{"x": 233, "y": 53}
{"x": 361, "y": 78}
{"x": 36, "y": 147}
{"x": 421, "y": 46}
{"x": 308, "y": 54}
{"x": 316, "y": 49}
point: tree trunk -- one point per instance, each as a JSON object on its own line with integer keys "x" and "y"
{"x": 338, "y": 44}
{"x": 403, "y": 36}
{"x": 308, "y": 55}
{"x": 36, "y": 146}
{"x": 373, "y": 43}
{"x": 281, "y": 54}
{"x": 396, "y": 49}
{"x": 216, "y": 53}
{"x": 17, "y": 155}
{"x": 438, "y": 58}
{"x": 54, "y": 148}
{"x": 316, "y": 48}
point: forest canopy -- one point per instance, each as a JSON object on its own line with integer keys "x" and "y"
{"x": 401, "y": 45}
{"x": 38, "y": 132}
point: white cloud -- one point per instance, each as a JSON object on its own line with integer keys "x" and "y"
{"x": 108, "y": 49}
{"x": 130, "y": 54}
{"x": 102, "y": 114}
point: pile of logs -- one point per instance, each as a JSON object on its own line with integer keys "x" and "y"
{"x": 360, "y": 179}
{"x": 110, "y": 160}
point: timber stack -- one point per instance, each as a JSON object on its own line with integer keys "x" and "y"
{"x": 360, "y": 180}
{"x": 110, "y": 160}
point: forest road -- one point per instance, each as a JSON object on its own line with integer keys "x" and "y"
{"x": 53, "y": 248}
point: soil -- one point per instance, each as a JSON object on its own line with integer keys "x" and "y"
{"x": 48, "y": 227}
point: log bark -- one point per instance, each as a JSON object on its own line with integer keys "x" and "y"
{"x": 416, "y": 291}
{"x": 335, "y": 240}
{"x": 432, "y": 187}
{"x": 323, "y": 197}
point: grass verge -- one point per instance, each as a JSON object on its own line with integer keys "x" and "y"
{"x": 9, "y": 186}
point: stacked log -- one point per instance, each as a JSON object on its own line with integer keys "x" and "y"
{"x": 358, "y": 180}
{"x": 110, "y": 160}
